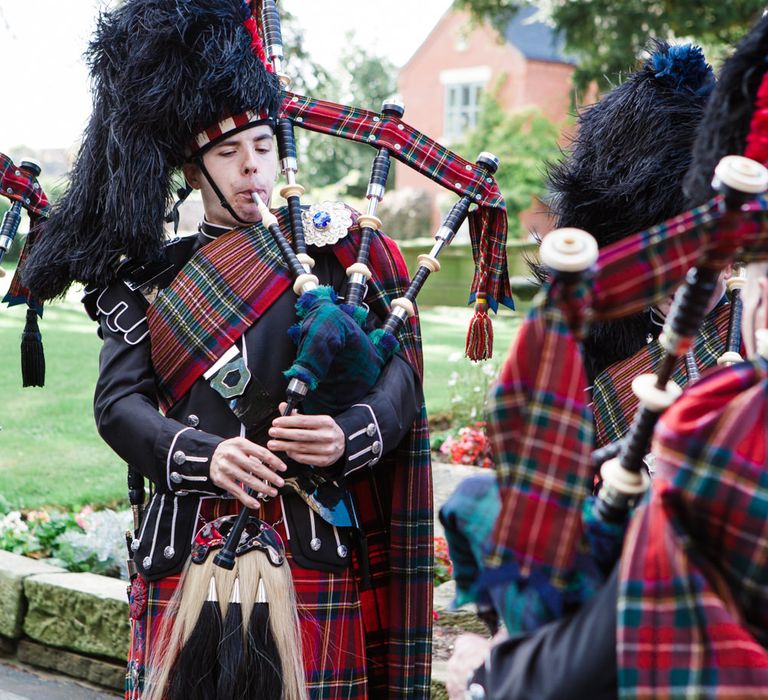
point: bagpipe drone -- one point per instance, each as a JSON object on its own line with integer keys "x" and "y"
{"x": 19, "y": 184}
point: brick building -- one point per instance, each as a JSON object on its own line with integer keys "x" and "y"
{"x": 442, "y": 82}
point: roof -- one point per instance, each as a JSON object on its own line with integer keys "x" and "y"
{"x": 536, "y": 40}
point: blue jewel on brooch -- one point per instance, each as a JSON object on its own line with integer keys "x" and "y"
{"x": 321, "y": 219}
{"x": 326, "y": 222}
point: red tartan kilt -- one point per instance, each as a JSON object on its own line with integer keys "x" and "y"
{"x": 330, "y": 614}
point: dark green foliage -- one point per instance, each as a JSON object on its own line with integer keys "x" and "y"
{"x": 608, "y": 36}
{"x": 524, "y": 140}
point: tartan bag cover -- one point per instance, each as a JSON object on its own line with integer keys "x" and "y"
{"x": 188, "y": 320}
{"x": 541, "y": 430}
{"x": 693, "y": 592}
{"x": 614, "y": 404}
{"x": 487, "y": 223}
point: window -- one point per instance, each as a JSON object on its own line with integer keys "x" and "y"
{"x": 462, "y": 104}
{"x": 463, "y": 88}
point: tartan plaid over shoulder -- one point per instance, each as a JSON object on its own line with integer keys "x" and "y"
{"x": 693, "y": 595}
{"x": 614, "y": 404}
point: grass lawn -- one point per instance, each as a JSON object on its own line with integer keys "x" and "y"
{"x": 50, "y": 453}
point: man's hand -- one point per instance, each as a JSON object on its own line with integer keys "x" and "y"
{"x": 315, "y": 440}
{"x": 469, "y": 652}
{"x": 238, "y": 461}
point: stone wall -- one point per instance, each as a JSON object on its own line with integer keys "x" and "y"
{"x": 75, "y": 624}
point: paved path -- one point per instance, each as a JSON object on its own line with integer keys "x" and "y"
{"x": 22, "y": 683}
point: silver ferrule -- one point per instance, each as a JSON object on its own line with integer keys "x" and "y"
{"x": 357, "y": 278}
{"x": 400, "y": 313}
{"x": 445, "y": 233}
{"x": 614, "y": 498}
{"x": 5, "y": 243}
{"x": 297, "y": 387}
{"x": 290, "y": 167}
{"x": 275, "y": 53}
{"x": 439, "y": 245}
{"x": 373, "y": 204}
{"x": 375, "y": 190}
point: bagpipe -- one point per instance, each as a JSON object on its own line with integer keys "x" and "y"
{"x": 541, "y": 424}
{"x": 20, "y": 185}
{"x": 341, "y": 352}
{"x": 338, "y": 358}
{"x": 554, "y": 543}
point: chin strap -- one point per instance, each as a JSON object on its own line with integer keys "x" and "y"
{"x": 198, "y": 160}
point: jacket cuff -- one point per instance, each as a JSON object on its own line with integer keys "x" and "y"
{"x": 364, "y": 440}
{"x": 186, "y": 455}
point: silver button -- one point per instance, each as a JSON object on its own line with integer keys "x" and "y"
{"x": 376, "y": 447}
{"x": 147, "y": 562}
{"x": 370, "y": 431}
{"x": 342, "y": 551}
{"x": 192, "y": 420}
{"x": 175, "y": 477}
{"x": 179, "y": 457}
{"x": 182, "y": 493}
{"x": 373, "y": 461}
{"x": 315, "y": 543}
{"x": 135, "y": 544}
{"x": 475, "y": 692}
{"x": 168, "y": 552}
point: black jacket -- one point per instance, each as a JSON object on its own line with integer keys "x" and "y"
{"x": 174, "y": 450}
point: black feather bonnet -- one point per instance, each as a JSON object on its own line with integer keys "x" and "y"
{"x": 625, "y": 167}
{"x": 162, "y": 71}
{"x": 726, "y": 125}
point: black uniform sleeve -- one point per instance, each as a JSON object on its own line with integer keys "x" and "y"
{"x": 376, "y": 425}
{"x": 571, "y": 659}
{"x": 174, "y": 456}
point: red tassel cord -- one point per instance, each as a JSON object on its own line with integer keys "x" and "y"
{"x": 480, "y": 334}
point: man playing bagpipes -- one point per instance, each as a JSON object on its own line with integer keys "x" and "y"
{"x": 311, "y": 608}
{"x": 669, "y": 601}
{"x": 624, "y": 171}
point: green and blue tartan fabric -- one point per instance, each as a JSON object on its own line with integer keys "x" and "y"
{"x": 693, "y": 591}
{"x": 333, "y": 346}
{"x": 487, "y": 223}
{"x": 613, "y": 401}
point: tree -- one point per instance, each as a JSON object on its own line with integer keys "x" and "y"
{"x": 524, "y": 141}
{"x": 607, "y": 36}
{"x": 364, "y": 80}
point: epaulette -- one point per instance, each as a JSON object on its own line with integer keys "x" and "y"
{"x": 123, "y": 304}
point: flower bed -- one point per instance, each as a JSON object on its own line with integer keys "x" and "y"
{"x": 85, "y": 540}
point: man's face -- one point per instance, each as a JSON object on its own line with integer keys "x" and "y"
{"x": 755, "y": 305}
{"x": 243, "y": 163}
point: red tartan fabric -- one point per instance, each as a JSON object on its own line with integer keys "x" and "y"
{"x": 18, "y": 185}
{"x": 330, "y": 615}
{"x": 487, "y": 224}
{"x": 693, "y": 599}
{"x": 638, "y": 271}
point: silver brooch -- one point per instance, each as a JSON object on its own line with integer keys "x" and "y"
{"x": 326, "y": 223}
